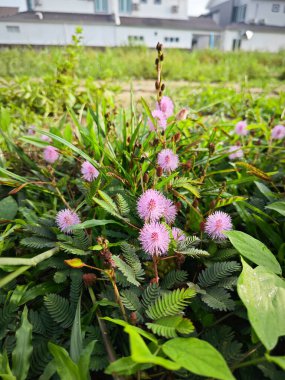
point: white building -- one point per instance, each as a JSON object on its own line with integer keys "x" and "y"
{"x": 250, "y": 24}
{"x": 109, "y": 23}
{"x": 230, "y": 24}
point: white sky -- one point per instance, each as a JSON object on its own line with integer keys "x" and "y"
{"x": 196, "y": 7}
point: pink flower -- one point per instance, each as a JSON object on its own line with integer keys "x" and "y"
{"x": 151, "y": 205}
{"x": 31, "y": 130}
{"x": 50, "y": 154}
{"x": 236, "y": 152}
{"x": 278, "y": 132}
{"x": 178, "y": 235}
{"x": 182, "y": 114}
{"x": 65, "y": 219}
{"x": 46, "y": 138}
{"x": 168, "y": 160}
{"x": 160, "y": 120}
{"x": 88, "y": 171}
{"x": 241, "y": 128}
{"x": 166, "y": 106}
{"x": 154, "y": 239}
{"x": 216, "y": 223}
{"x": 169, "y": 211}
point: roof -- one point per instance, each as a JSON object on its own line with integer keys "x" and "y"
{"x": 256, "y": 28}
{"x": 192, "y": 23}
{"x": 8, "y": 11}
{"x": 57, "y": 17}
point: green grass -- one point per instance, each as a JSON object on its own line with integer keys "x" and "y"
{"x": 136, "y": 62}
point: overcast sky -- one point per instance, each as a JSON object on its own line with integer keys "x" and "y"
{"x": 196, "y": 7}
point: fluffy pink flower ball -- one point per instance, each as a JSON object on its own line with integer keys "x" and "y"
{"x": 216, "y": 223}
{"x": 166, "y": 106}
{"x": 50, "y": 154}
{"x": 160, "y": 119}
{"x": 178, "y": 235}
{"x": 65, "y": 219}
{"x": 168, "y": 160}
{"x": 241, "y": 128}
{"x": 236, "y": 152}
{"x": 154, "y": 239}
{"x": 46, "y": 138}
{"x": 88, "y": 171}
{"x": 151, "y": 205}
{"x": 169, "y": 211}
{"x": 278, "y": 132}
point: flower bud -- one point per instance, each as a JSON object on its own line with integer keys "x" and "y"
{"x": 157, "y": 85}
{"x": 145, "y": 178}
{"x": 202, "y": 226}
{"x": 162, "y": 87}
{"x": 133, "y": 318}
{"x": 161, "y": 57}
{"x": 89, "y": 279}
{"x": 177, "y": 137}
{"x": 189, "y": 164}
{"x": 211, "y": 148}
{"x": 159, "y": 171}
{"x": 182, "y": 114}
{"x": 195, "y": 203}
{"x": 178, "y": 206}
{"x": 156, "y": 61}
{"x": 213, "y": 203}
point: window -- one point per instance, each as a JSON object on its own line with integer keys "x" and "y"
{"x": 239, "y": 13}
{"x": 125, "y": 6}
{"x": 275, "y": 8}
{"x": 101, "y": 6}
{"x": 135, "y": 38}
{"x": 143, "y": 1}
{"x": 171, "y": 39}
{"x": 13, "y": 28}
{"x": 158, "y": 2}
{"x": 236, "y": 44}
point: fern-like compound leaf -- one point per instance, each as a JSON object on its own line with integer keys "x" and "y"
{"x": 217, "y": 272}
{"x": 219, "y": 299}
{"x": 127, "y": 271}
{"x": 174, "y": 277}
{"x": 122, "y": 204}
{"x": 170, "y": 303}
{"x": 169, "y": 326}
{"x": 150, "y": 295}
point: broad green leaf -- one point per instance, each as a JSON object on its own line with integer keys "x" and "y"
{"x": 5, "y": 370}
{"x": 22, "y": 352}
{"x": 199, "y": 357}
{"x": 76, "y": 335}
{"x": 277, "y": 206}
{"x": 254, "y": 250}
{"x": 263, "y": 294}
{"x": 65, "y": 367}
{"x": 265, "y": 191}
{"x": 8, "y": 208}
{"x": 140, "y": 353}
{"x": 140, "y": 331}
{"x": 84, "y": 360}
{"x": 94, "y": 223}
{"x": 126, "y": 366}
{"x": 279, "y": 360}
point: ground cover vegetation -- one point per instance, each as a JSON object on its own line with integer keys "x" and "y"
{"x": 141, "y": 242}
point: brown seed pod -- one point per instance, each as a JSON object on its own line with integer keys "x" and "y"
{"x": 159, "y": 171}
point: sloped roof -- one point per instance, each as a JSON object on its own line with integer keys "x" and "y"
{"x": 192, "y": 23}
{"x": 8, "y": 11}
{"x": 256, "y": 28}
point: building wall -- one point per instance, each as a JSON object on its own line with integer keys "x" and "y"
{"x": 163, "y": 10}
{"x": 152, "y": 35}
{"x": 260, "y": 41}
{"x": 262, "y": 10}
{"x": 56, "y": 34}
{"x": 222, "y": 13}
{"x": 69, "y": 6}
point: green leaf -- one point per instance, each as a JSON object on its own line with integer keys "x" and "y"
{"x": 76, "y": 335}
{"x": 140, "y": 353}
{"x": 84, "y": 360}
{"x": 277, "y": 206}
{"x": 5, "y": 370}
{"x": 263, "y": 294}
{"x": 279, "y": 360}
{"x": 9, "y": 208}
{"x": 199, "y": 357}
{"x": 94, "y": 223}
{"x": 22, "y": 352}
{"x": 140, "y": 331}
{"x": 65, "y": 367}
{"x": 126, "y": 366}
{"x": 127, "y": 271}
{"x": 169, "y": 326}
{"x": 254, "y": 250}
